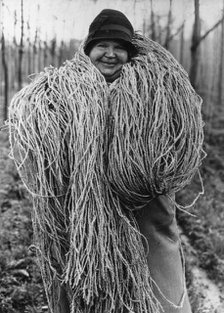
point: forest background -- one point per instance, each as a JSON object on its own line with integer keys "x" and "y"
{"x": 39, "y": 33}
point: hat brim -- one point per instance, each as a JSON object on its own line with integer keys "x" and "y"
{"x": 116, "y": 36}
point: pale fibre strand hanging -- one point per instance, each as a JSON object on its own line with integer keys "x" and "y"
{"x": 88, "y": 152}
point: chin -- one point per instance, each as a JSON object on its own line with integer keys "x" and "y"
{"x": 108, "y": 71}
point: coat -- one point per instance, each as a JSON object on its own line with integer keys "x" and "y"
{"x": 158, "y": 225}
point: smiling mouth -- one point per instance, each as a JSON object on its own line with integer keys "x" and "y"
{"x": 108, "y": 64}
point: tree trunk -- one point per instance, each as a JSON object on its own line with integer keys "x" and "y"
{"x": 220, "y": 81}
{"x": 35, "y": 62}
{"x": 15, "y": 53}
{"x": 29, "y": 66}
{"x": 6, "y": 83}
{"x": 182, "y": 45}
{"x": 40, "y": 58}
{"x": 45, "y": 53}
{"x": 20, "y": 82}
{"x": 168, "y": 28}
{"x": 61, "y": 53}
{"x": 195, "y": 49}
{"x": 53, "y": 51}
{"x": 152, "y": 26}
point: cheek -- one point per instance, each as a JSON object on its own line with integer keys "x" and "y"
{"x": 94, "y": 55}
{"x": 124, "y": 57}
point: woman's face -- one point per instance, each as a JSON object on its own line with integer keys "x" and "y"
{"x": 108, "y": 56}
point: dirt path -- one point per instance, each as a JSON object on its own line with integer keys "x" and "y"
{"x": 208, "y": 297}
{"x": 213, "y": 297}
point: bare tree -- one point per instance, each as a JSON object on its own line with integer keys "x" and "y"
{"x": 194, "y": 44}
{"x": 61, "y": 53}
{"x": 152, "y": 24}
{"x": 14, "y": 51}
{"x": 197, "y": 38}
{"x": 53, "y": 50}
{"x": 159, "y": 37}
{"x": 40, "y": 59}
{"x": 45, "y": 53}
{"x": 35, "y": 62}
{"x": 28, "y": 50}
{"x": 168, "y": 27}
{"x": 182, "y": 44}
{"x": 144, "y": 27}
{"x": 220, "y": 81}
{"x": 5, "y": 70}
{"x": 21, "y": 49}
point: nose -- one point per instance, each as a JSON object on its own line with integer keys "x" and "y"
{"x": 110, "y": 53}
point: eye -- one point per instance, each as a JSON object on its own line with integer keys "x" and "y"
{"x": 120, "y": 47}
{"x": 101, "y": 45}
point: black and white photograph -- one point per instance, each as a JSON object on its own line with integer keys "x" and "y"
{"x": 111, "y": 156}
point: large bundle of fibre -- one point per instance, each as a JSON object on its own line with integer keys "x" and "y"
{"x": 89, "y": 153}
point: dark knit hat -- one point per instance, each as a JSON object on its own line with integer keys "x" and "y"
{"x": 110, "y": 24}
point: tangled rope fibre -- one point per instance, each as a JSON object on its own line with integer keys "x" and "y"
{"x": 88, "y": 153}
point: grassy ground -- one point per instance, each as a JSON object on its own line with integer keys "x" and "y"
{"x": 205, "y": 229}
{"x": 21, "y": 287}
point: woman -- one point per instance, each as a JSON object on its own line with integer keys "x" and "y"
{"x": 104, "y": 143}
{"x": 109, "y": 46}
